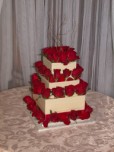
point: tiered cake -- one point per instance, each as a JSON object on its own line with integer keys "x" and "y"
{"x": 58, "y": 93}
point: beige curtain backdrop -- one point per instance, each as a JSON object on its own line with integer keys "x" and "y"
{"x": 26, "y": 26}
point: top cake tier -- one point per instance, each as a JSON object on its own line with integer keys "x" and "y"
{"x": 53, "y": 66}
{"x": 62, "y": 57}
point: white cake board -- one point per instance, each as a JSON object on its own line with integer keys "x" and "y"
{"x": 58, "y": 125}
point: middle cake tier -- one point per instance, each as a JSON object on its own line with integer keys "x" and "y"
{"x": 59, "y": 78}
{"x": 51, "y": 85}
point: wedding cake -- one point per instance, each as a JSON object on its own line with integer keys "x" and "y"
{"x": 58, "y": 92}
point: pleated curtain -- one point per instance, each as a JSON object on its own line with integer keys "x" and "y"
{"x": 27, "y": 26}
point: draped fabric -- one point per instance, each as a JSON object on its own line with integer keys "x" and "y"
{"x": 26, "y": 26}
{"x": 1, "y": 1}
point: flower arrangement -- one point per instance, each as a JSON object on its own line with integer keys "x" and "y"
{"x": 63, "y": 54}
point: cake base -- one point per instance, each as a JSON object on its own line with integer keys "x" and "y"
{"x": 57, "y": 125}
{"x": 60, "y": 125}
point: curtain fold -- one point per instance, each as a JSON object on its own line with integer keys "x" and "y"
{"x": 27, "y": 26}
{"x": 6, "y": 46}
{"x": 1, "y": 2}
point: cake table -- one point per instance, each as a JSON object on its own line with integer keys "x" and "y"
{"x": 18, "y": 133}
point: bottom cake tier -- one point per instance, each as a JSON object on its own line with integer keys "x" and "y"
{"x": 61, "y": 110}
{"x": 65, "y": 104}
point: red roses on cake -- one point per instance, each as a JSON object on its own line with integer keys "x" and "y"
{"x": 58, "y": 75}
{"x": 38, "y": 87}
{"x": 63, "y": 54}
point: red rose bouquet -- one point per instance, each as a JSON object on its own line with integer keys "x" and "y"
{"x": 63, "y": 54}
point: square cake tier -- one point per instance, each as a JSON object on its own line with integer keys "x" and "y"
{"x": 52, "y": 66}
{"x": 58, "y": 84}
{"x": 59, "y": 105}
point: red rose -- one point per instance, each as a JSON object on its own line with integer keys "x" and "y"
{"x": 50, "y": 57}
{"x": 71, "y": 55}
{"x": 83, "y": 114}
{"x": 42, "y": 69}
{"x": 88, "y": 108}
{"x": 61, "y": 78}
{"x": 34, "y": 111}
{"x": 64, "y": 117}
{"x": 55, "y": 57}
{"x": 80, "y": 88}
{"x": 69, "y": 90}
{"x": 63, "y": 58}
{"x": 57, "y": 73}
{"x": 38, "y": 89}
{"x": 31, "y": 106}
{"x": 76, "y": 73}
{"x": 45, "y": 93}
{"x": 28, "y": 100}
{"x": 47, "y": 51}
{"x": 45, "y": 123}
{"x": 36, "y": 83}
{"x": 73, "y": 115}
{"x": 51, "y": 78}
{"x": 38, "y": 64}
{"x": 69, "y": 79}
{"x": 66, "y": 72}
{"x": 54, "y": 117}
{"x": 58, "y": 92}
{"x": 39, "y": 115}
{"x": 47, "y": 73}
{"x": 34, "y": 76}
{"x": 35, "y": 86}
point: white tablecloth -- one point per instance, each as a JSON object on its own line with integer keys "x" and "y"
{"x": 19, "y": 134}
